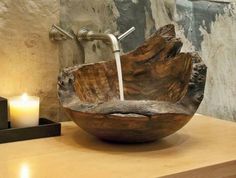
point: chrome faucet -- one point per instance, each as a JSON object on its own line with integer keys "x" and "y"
{"x": 85, "y": 34}
{"x": 58, "y": 34}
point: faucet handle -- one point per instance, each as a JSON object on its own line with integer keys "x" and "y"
{"x": 121, "y": 37}
{"x": 58, "y": 34}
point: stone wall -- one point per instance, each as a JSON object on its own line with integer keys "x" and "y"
{"x": 30, "y": 62}
{"x": 210, "y": 27}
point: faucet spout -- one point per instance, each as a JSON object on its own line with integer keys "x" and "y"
{"x": 85, "y": 34}
{"x": 114, "y": 43}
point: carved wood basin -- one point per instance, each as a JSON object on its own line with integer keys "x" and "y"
{"x": 163, "y": 89}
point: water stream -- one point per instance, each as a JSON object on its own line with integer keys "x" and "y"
{"x": 119, "y": 72}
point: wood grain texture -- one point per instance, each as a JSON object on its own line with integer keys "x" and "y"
{"x": 162, "y": 87}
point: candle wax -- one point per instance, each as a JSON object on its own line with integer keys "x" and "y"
{"x": 24, "y": 111}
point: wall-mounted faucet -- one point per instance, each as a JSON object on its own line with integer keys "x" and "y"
{"x": 58, "y": 34}
{"x": 85, "y": 34}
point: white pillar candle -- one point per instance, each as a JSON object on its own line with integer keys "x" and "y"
{"x": 24, "y": 111}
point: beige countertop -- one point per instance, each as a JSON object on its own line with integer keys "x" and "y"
{"x": 203, "y": 141}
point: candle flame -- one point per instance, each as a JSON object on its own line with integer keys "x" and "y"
{"x": 24, "y": 97}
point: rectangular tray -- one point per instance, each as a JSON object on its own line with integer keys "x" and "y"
{"x": 46, "y": 128}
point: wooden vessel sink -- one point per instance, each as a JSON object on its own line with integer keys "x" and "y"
{"x": 162, "y": 87}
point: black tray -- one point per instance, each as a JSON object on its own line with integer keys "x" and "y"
{"x": 3, "y": 113}
{"x": 46, "y": 128}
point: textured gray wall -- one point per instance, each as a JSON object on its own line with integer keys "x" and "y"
{"x": 210, "y": 27}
